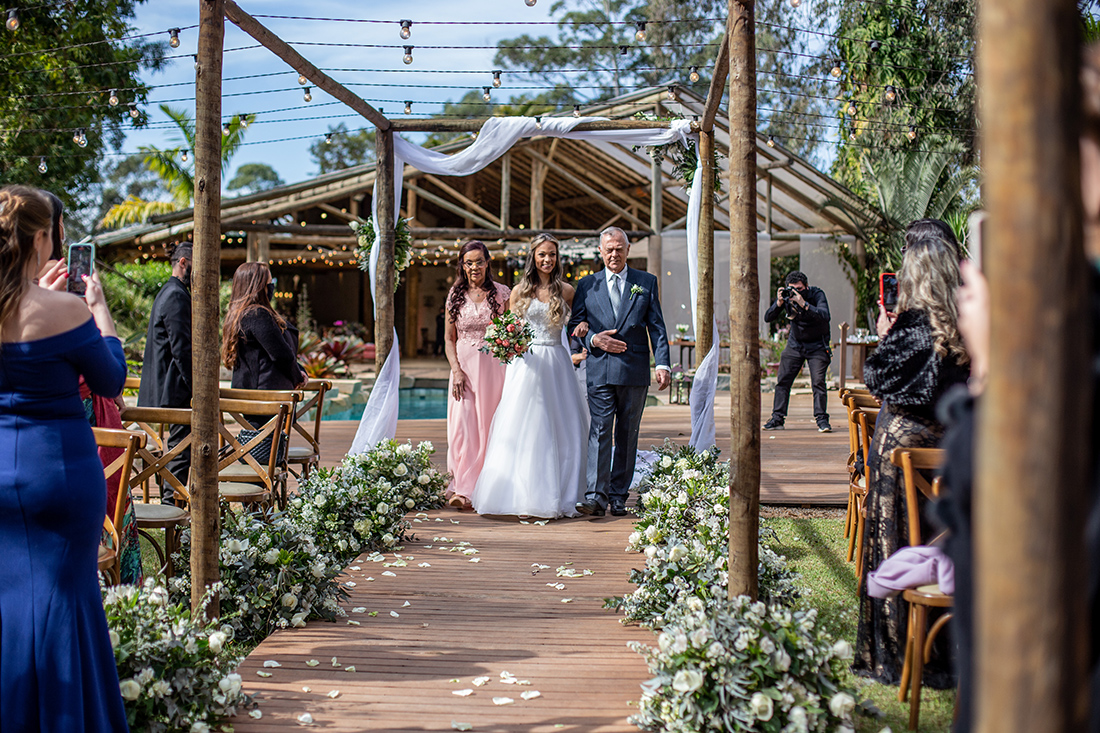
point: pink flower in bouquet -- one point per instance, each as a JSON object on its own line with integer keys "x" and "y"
{"x": 511, "y": 328}
{"x": 500, "y": 341}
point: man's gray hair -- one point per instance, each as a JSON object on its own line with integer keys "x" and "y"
{"x": 615, "y": 232}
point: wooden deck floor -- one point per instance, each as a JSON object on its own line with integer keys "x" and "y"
{"x": 798, "y": 465}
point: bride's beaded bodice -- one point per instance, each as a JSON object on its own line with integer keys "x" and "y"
{"x": 474, "y": 318}
{"x": 538, "y": 316}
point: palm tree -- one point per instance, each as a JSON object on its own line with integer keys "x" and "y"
{"x": 175, "y": 167}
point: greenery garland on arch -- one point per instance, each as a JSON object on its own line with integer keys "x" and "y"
{"x": 402, "y": 246}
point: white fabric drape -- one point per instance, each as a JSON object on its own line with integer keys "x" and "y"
{"x": 496, "y": 137}
{"x": 705, "y": 383}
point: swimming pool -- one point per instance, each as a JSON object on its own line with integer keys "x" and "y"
{"x": 414, "y": 403}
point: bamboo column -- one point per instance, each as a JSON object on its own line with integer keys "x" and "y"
{"x": 1034, "y": 420}
{"x": 704, "y": 305}
{"x": 385, "y": 236}
{"x": 204, "y": 304}
{"x": 505, "y": 190}
{"x": 744, "y": 304}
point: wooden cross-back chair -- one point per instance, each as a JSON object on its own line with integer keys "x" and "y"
{"x": 853, "y": 445}
{"x": 154, "y": 436}
{"x": 861, "y": 425}
{"x": 169, "y": 517}
{"x": 241, "y": 477}
{"x": 129, "y": 442}
{"x": 919, "y": 638}
{"x": 857, "y": 485}
{"x": 309, "y": 456}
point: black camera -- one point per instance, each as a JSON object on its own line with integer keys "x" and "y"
{"x": 788, "y": 292}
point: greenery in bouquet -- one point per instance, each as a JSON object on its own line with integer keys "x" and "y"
{"x": 273, "y": 576}
{"x": 507, "y": 337}
{"x": 406, "y": 467}
{"x": 402, "y": 247}
{"x": 348, "y": 513}
{"x": 744, "y": 666}
{"x": 175, "y": 671}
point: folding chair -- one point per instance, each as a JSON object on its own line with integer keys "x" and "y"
{"x": 241, "y": 477}
{"x": 130, "y": 442}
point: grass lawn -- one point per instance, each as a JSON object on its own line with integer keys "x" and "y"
{"x": 816, "y": 548}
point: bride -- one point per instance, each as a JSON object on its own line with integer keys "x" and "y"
{"x": 537, "y": 455}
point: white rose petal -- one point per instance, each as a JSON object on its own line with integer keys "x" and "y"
{"x": 566, "y": 600}
{"x": 335, "y": 663}
{"x": 256, "y": 714}
{"x": 475, "y": 559}
{"x": 312, "y": 663}
{"x": 350, "y": 669}
{"x": 360, "y": 609}
{"x": 461, "y": 726}
{"x": 530, "y": 694}
{"x": 353, "y": 623}
{"x": 395, "y": 614}
{"x": 305, "y": 719}
{"x": 479, "y": 681}
{"x": 423, "y": 565}
{"x": 389, "y": 573}
{"x": 462, "y": 693}
{"x": 842, "y": 704}
{"x": 503, "y": 701}
{"x": 307, "y": 689}
{"x": 842, "y": 650}
{"x": 113, "y": 635}
{"x": 262, "y": 674}
{"x": 406, "y": 604}
{"x": 334, "y": 694}
{"x": 272, "y": 663}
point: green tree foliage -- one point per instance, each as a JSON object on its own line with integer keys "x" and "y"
{"x": 342, "y": 149}
{"x": 59, "y": 68}
{"x": 255, "y": 177}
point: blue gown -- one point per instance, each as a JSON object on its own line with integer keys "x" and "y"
{"x": 57, "y": 668}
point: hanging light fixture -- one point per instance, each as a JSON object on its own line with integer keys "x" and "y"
{"x": 113, "y": 99}
{"x": 672, "y": 94}
{"x": 694, "y": 75}
{"x": 406, "y": 29}
{"x": 328, "y": 138}
{"x": 183, "y": 155}
{"x": 486, "y": 95}
{"x": 408, "y": 57}
{"x": 496, "y": 80}
{"x": 80, "y": 138}
{"x": 174, "y": 37}
{"x": 408, "y": 107}
{"x": 530, "y": 3}
{"x": 134, "y": 113}
{"x": 771, "y": 141}
{"x": 302, "y": 79}
{"x": 42, "y": 168}
{"x": 640, "y": 35}
{"x": 243, "y": 121}
{"x": 875, "y": 46}
{"x": 912, "y": 134}
{"x": 891, "y": 94}
{"x": 795, "y": 3}
{"x": 306, "y": 96}
{"x": 225, "y": 130}
{"x": 538, "y": 123}
{"x": 852, "y": 109}
{"x": 576, "y": 110}
{"x": 835, "y": 71}
{"x": 12, "y": 23}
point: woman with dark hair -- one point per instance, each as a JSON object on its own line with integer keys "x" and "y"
{"x": 258, "y": 345}
{"x": 920, "y": 356}
{"x": 930, "y": 229}
{"x": 536, "y": 461}
{"x": 58, "y": 671}
{"x": 476, "y": 378}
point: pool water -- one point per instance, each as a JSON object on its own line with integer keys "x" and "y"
{"x": 414, "y": 403}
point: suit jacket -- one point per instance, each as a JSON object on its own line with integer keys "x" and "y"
{"x": 166, "y": 371}
{"x": 640, "y": 323}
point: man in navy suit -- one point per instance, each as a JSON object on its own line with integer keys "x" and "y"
{"x": 623, "y": 312}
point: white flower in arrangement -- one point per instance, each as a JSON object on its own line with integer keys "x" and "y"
{"x": 159, "y": 689}
{"x": 342, "y": 544}
{"x": 687, "y": 680}
{"x": 651, "y": 551}
{"x": 298, "y": 620}
{"x": 113, "y": 635}
{"x": 842, "y": 650}
{"x": 388, "y": 539}
{"x": 404, "y": 449}
{"x": 761, "y": 707}
{"x": 679, "y": 643}
{"x": 424, "y": 479}
{"x": 767, "y": 646}
{"x": 682, "y": 498}
{"x": 634, "y": 538}
{"x": 677, "y": 553}
{"x": 798, "y": 720}
{"x": 271, "y": 556}
{"x": 382, "y": 508}
{"x": 409, "y": 503}
{"x": 400, "y": 469}
{"x": 231, "y": 684}
{"x": 666, "y": 461}
{"x": 319, "y": 500}
{"x": 664, "y": 642}
{"x": 158, "y": 596}
{"x": 705, "y": 455}
{"x": 130, "y": 689}
{"x": 146, "y": 676}
{"x": 700, "y": 637}
{"x": 715, "y": 650}
{"x": 289, "y": 600}
{"x": 781, "y": 660}
{"x": 692, "y": 475}
{"x": 651, "y": 532}
{"x": 682, "y": 464}
{"x": 234, "y": 545}
{"x": 216, "y": 641}
{"x": 200, "y": 727}
{"x": 842, "y": 704}
{"x": 318, "y": 569}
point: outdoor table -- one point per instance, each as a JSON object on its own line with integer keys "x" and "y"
{"x": 688, "y": 344}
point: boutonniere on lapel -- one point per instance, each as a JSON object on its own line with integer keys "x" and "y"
{"x": 636, "y": 290}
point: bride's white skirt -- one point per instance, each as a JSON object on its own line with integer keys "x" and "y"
{"x": 536, "y": 460}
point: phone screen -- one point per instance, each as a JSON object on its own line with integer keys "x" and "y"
{"x": 80, "y": 264}
{"x": 888, "y": 290}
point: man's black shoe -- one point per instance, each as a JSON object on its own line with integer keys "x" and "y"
{"x": 590, "y": 508}
{"x": 617, "y": 508}
{"x": 774, "y": 424}
{"x": 823, "y": 426}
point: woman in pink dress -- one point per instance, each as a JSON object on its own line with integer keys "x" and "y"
{"x": 476, "y": 378}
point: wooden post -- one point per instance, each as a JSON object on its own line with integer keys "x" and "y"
{"x": 411, "y": 276}
{"x": 843, "y": 355}
{"x": 704, "y": 306}
{"x": 1034, "y": 417}
{"x": 205, "y": 530}
{"x": 656, "y": 217}
{"x": 383, "y": 289}
{"x": 744, "y": 305}
{"x": 505, "y": 190}
{"x": 538, "y": 176}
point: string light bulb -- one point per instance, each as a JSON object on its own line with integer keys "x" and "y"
{"x": 672, "y": 94}
{"x": 408, "y": 107}
{"x": 694, "y": 75}
{"x": 576, "y": 110}
{"x": 771, "y": 141}
{"x": 486, "y": 95}
{"x": 306, "y": 96}
{"x": 183, "y": 155}
{"x": 623, "y": 50}
{"x": 640, "y": 35}
{"x": 530, "y": 3}
{"x": 835, "y": 71}
{"x": 244, "y": 121}
{"x": 891, "y": 93}
{"x": 875, "y": 46}
{"x": 408, "y": 57}
{"x": 795, "y": 3}
{"x": 12, "y": 23}
{"x": 113, "y": 99}
{"x": 912, "y": 134}
{"x": 80, "y": 138}
{"x": 134, "y": 113}
{"x": 42, "y": 168}
{"x": 538, "y": 123}
{"x": 496, "y": 80}
{"x": 225, "y": 130}
{"x": 174, "y": 37}
{"x": 406, "y": 29}
{"x": 328, "y": 138}
{"x": 302, "y": 79}
{"x": 852, "y": 109}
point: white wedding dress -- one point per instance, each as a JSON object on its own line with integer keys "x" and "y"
{"x": 536, "y": 460}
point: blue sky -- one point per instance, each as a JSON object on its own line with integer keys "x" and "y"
{"x": 282, "y": 92}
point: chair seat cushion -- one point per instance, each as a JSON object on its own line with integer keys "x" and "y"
{"x": 242, "y": 492}
{"x": 238, "y": 472}
{"x": 159, "y": 515}
{"x": 300, "y": 453}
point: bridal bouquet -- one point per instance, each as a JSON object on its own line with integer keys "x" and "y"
{"x": 507, "y": 337}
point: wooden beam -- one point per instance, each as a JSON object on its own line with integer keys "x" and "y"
{"x": 205, "y": 415}
{"x": 453, "y": 208}
{"x": 280, "y": 48}
{"x": 462, "y": 198}
{"x": 1034, "y": 419}
{"x": 744, "y": 306}
{"x": 385, "y": 228}
{"x": 717, "y": 84}
{"x": 474, "y": 125}
{"x": 576, "y": 181}
{"x": 505, "y": 189}
{"x": 704, "y": 306}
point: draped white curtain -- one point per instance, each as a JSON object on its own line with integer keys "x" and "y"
{"x": 497, "y": 136}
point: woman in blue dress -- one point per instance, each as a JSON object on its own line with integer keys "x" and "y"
{"x": 57, "y": 668}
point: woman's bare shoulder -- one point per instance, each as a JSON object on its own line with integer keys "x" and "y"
{"x": 45, "y": 313}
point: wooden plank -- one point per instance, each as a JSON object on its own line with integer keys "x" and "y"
{"x": 451, "y": 207}
{"x": 462, "y": 198}
{"x": 576, "y": 181}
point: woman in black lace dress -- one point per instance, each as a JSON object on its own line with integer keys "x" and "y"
{"x": 919, "y": 357}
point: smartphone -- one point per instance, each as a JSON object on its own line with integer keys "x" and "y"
{"x": 81, "y": 259}
{"x": 888, "y": 291}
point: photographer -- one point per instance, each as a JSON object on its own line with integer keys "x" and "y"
{"x": 808, "y": 311}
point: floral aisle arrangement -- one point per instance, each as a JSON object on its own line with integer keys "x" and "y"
{"x": 175, "y": 672}
{"x": 273, "y": 576}
{"x": 507, "y": 337}
{"x": 742, "y": 666}
{"x": 365, "y": 237}
{"x": 407, "y": 468}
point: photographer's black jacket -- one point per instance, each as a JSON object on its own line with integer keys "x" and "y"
{"x": 809, "y": 325}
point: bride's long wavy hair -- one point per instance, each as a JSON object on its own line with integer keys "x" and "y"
{"x": 529, "y": 282}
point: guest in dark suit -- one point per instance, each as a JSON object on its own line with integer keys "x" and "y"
{"x": 166, "y": 369}
{"x": 259, "y": 345}
{"x": 623, "y": 312}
